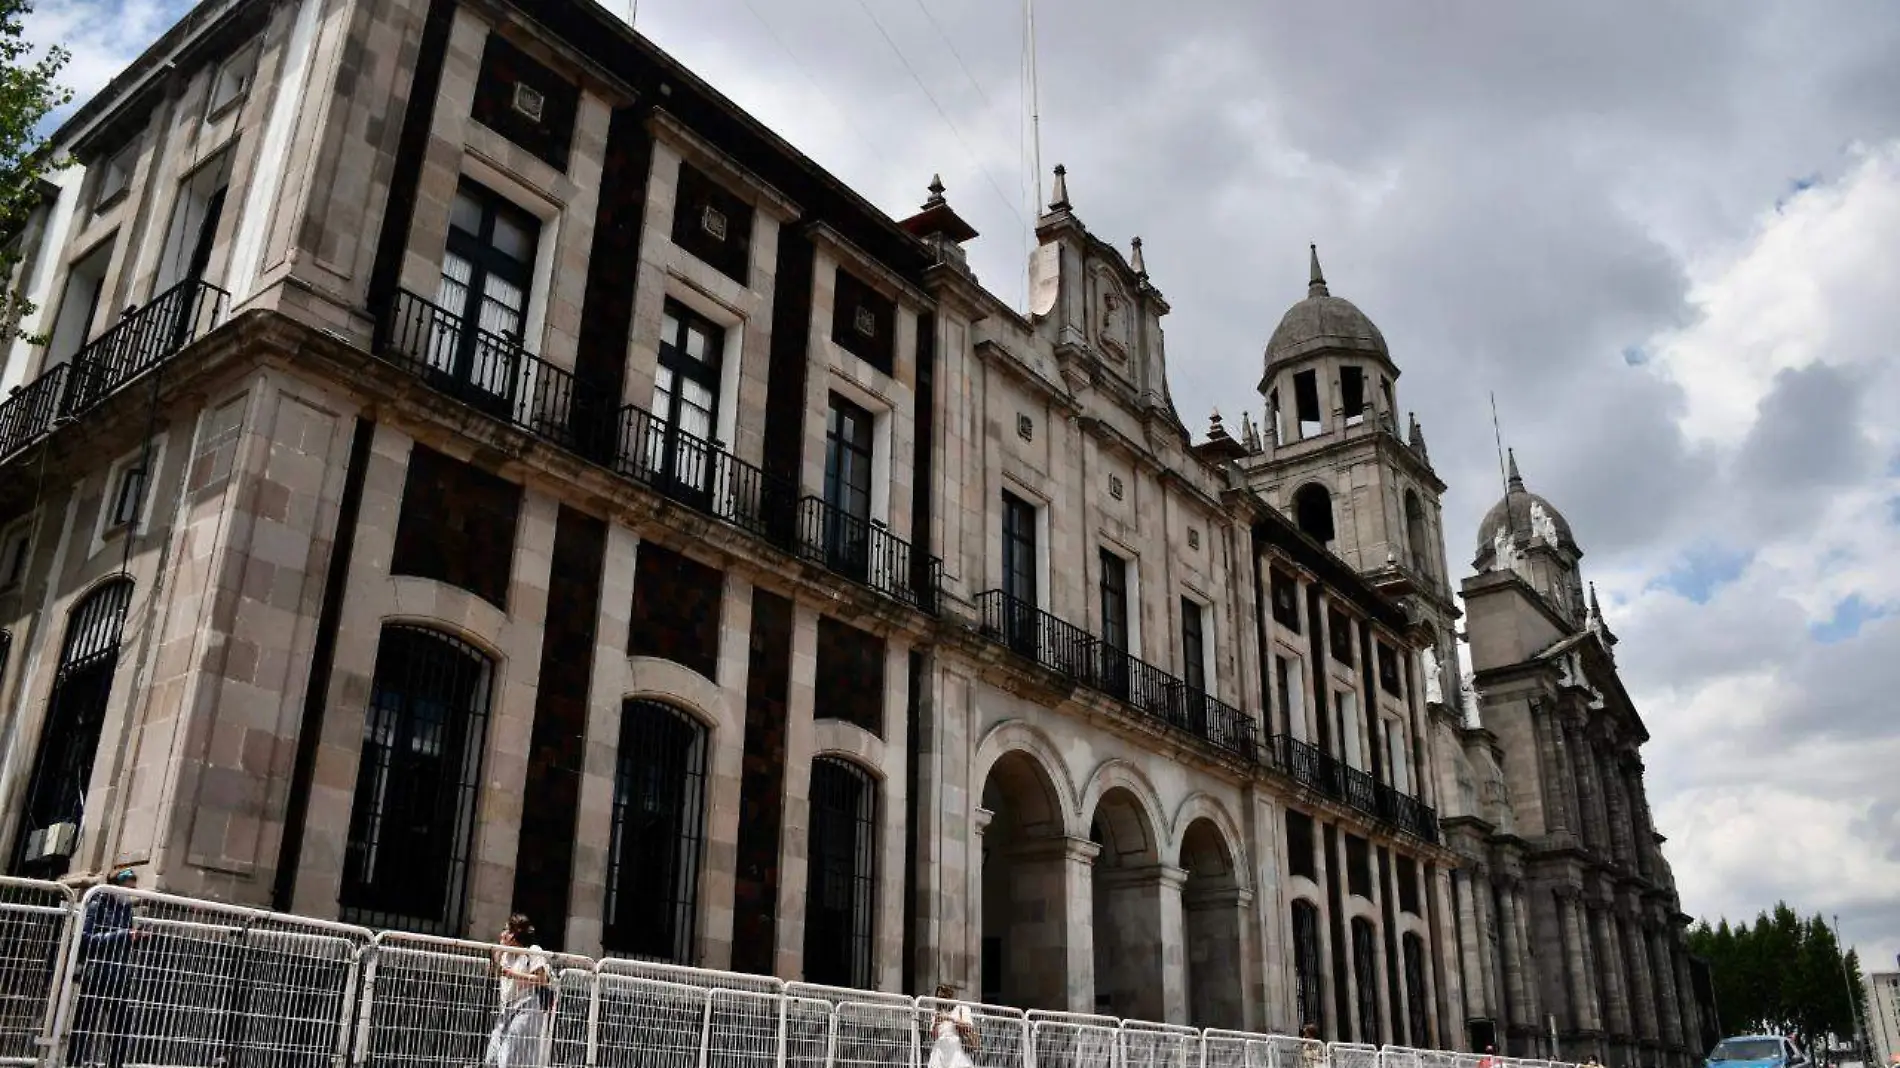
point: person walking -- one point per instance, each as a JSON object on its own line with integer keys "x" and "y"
{"x": 1312, "y": 1050}
{"x": 103, "y": 1019}
{"x": 952, "y": 1031}
{"x": 522, "y": 1032}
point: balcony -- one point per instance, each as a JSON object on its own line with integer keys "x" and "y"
{"x": 1313, "y": 768}
{"x": 1086, "y": 660}
{"x": 867, "y": 552}
{"x": 497, "y": 375}
{"x": 141, "y": 340}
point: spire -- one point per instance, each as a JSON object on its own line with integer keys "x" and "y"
{"x": 1515, "y": 481}
{"x": 1059, "y": 201}
{"x": 1596, "y": 610}
{"x": 1415, "y": 434}
{"x": 1249, "y": 434}
{"x": 1215, "y": 431}
{"x": 1316, "y": 283}
{"x": 936, "y": 191}
{"x": 1139, "y": 264}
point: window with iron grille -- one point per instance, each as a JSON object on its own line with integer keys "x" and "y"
{"x": 1415, "y": 989}
{"x": 412, "y": 826}
{"x": 850, "y": 682}
{"x": 712, "y": 224}
{"x": 840, "y": 890}
{"x": 864, "y": 322}
{"x": 1358, "y": 867}
{"x": 1286, "y": 601}
{"x": 75, "y": 716}
{"x": 1407, "y": 874}
{"x": 1339, "y": 634}
{"x": 1299, "y": 845}
{"x": 1365, "y": 972}
{"x": 1306, "y": 957}
{"x": 659, "y": 830}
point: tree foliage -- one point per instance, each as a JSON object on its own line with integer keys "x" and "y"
{"x": 29, "y": 91}
{"x": 1781, "y": 975}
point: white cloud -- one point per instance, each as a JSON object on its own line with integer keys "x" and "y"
{"x": 102, "y": 35}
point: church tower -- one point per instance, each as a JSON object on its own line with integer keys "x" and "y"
{"x": 1331, "y": 456}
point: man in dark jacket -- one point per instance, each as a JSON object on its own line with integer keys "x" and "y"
{"x": 104, "y": 1017}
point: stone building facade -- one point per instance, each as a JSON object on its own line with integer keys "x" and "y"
{"x": 475, "y": 467}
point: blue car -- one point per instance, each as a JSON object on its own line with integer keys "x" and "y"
{"x": 1757, "y": 1051}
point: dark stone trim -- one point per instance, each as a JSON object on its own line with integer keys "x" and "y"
{"x": 418, "y": 123}
{"x": 322, "y": 662}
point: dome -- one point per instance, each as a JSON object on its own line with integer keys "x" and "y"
{"x": 1522, "y": 510}
{"x": 1323, "y": 321}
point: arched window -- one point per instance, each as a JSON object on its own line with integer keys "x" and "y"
{"x": 405, "y": 865}
{"x": 1365, "y": 973}
{"x": 1313, "y": 512}
{"x": 1306, "y": 958}
{"x": 659, "y": 826}
{"x": 840, "y": 891}
{"x": 1415, "y": 991}
{"x": 75, "y": 716}
{"x": 1416, "y": 539}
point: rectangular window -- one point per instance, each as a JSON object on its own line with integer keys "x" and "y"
{"x": 115, "y": 176}
{"x": 1389, "y": 670}
{"x": 1114, "y": 589}
{"x": 523, "y": 100}
{"x": 1366, "y": 975}
{"x": 1286, "y": 600}
{"x": 1273, "y": 418}
{"x": 1019, "y": 550}
{"x": 1400, "y": 774}
{"x": 713, "y": 224}
{"x": 1352, "y": 394}
{"x": 864, "y": 322}
{"x": 850, "y": 681}
{"x": 85, "y": 288}
{"x": 1193, "y": 645}
{"x": 1358, "y": 867}
{"x": 1306, "y": 965}
{"x": 127, "y": 495}
{"x": 1299, "y": 845}
{"x": 1346, "y": 728}
{"x": 847, "y": 519}
{"x": 1415, "y": 990}
{"x": 232, "y": 80}
{"x": 1339, "y": 635}
{"x": 194, "y": 224}
{"x": 1292, "y": 691}
{"x": 685, "y": 398}
{"x": 1406, "y": 871}
{"x": 1306, "y": 403}
{"x": 487, "y": 272}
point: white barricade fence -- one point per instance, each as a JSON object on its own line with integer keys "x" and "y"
{"x": 646, "y": 1022}
{"x": 864, "y": 1027}
{"x": 156, "y": 979}
{"x": 1470, "y": 1060}
{"x": 1399, "y": 1057}
{"x": 435, "y": 1001}
{"x": 1236, "y": 1049}
{"x": 998, "y": 1037}
{"x": 685, "y": 975}
{"x": 1437, "y": 1058}
{"x": 36, "y": 919}
{"x": 1152, "y": 1045}
{"x": 1352, "y": 1055}
{"x": 1292, "y": 1051}
{"x": 1072, "y": 1040}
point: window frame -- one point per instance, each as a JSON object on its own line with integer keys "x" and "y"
{"x": 861, "y": 872}
{"x": 680, "y": 923}
{"x": 1195, "y": 652}
{"x": 1020, "y": 547}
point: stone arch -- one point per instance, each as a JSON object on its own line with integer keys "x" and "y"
{"x": 675, "y": 683}
{"x": 1025, "y": 742}
{"x": 426, "y": 602}
{"x": 1136, "y": 898}
{"x": 1201, "y": 805}
{"x": 1313, "y": 512}
{"x": 1033, "y": 868}
{"x": 1215, "y": 906}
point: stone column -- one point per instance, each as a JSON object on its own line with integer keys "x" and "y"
{"x": 1145, "y": 976}
{"x": 1516, "y": 939}
{"x": 1216, "y": 922}
{"x": 1685, "y": 1000}
{"x": 1617, "y": 1012}
{"x": 1643, "y": 996}
{"x": 1478, "y": 999}
{"x": 1663, "y": 963}
{"x": 1047, "y": 942}
{"x": 972, "y": 983}
{"x": 1583, "y": 1016}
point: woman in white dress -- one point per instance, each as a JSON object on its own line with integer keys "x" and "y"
{"x": 519, "y": 1039}
{"x": 952, "y": 1032}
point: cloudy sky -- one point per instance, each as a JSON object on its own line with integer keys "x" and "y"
{"x": 1666, "y": 235}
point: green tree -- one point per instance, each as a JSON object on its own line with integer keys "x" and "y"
{"x": 1780, "y": 975}
{"x": 29, "y": 91}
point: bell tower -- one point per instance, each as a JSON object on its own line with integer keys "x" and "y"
{"x": 1333, "y": 457}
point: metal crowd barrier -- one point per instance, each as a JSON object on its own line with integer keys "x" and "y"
{"x": 135, "y": 979}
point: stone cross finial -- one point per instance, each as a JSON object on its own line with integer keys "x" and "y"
{"x": 936, "y": 191}
{"x": 1139, "y": 264}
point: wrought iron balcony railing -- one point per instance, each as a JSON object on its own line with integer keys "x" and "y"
{"x": 142, "y": 339}
{"x": 499, "y": 376}
{"x": 1311, "y": 767}
{"x": 1087, "y": 660}
{"x": 1059, "y": 646}
{"x": 867, "y": 552}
